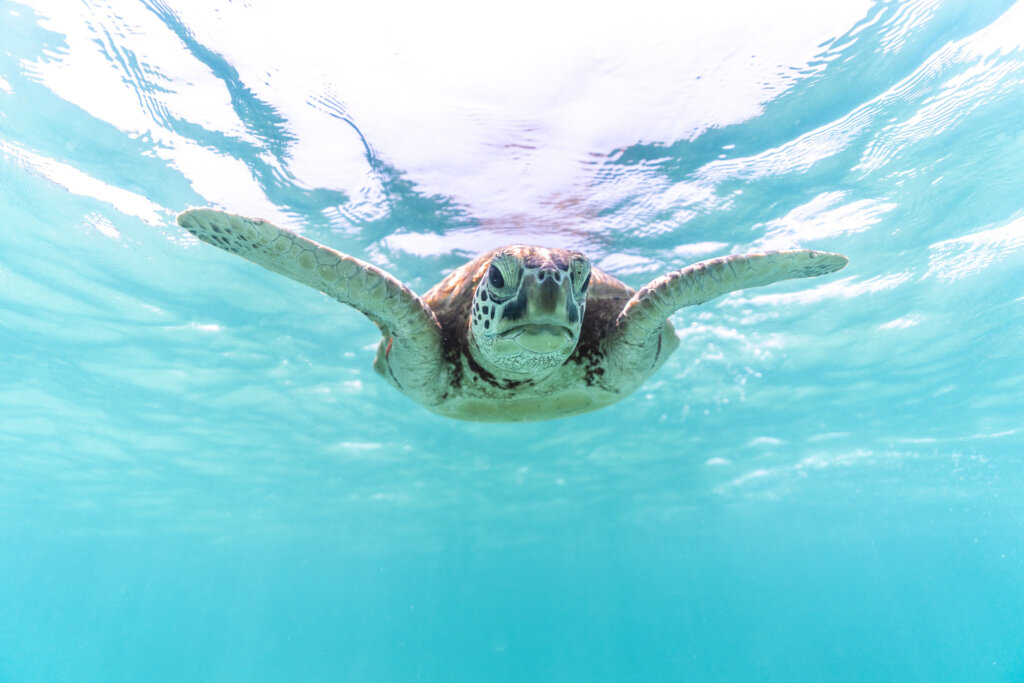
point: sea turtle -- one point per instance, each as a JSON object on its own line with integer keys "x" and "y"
{"x": 519, "y": 333}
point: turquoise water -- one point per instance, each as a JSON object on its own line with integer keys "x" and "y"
{"x": 202, "y": 479}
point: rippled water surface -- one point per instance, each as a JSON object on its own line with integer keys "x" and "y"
{"x": 202, "y": 478}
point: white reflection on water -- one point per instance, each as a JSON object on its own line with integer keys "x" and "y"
{"x": 956, "y": 258}
{"x": 503, "y": 116}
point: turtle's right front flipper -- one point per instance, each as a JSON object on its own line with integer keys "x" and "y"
{"x": 415, "y": 359}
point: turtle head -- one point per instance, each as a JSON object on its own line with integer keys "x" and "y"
{"x": 528, "y": 309}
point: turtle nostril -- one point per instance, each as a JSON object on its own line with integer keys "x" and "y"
{"x": 545, "y": 273}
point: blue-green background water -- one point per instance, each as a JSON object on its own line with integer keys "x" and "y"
{"x": 201, "y": 477}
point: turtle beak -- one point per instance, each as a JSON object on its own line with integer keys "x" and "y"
{"x": 547, "y": 298}
{"x": 547, "y": 328}
{"x": 540, "y": 338}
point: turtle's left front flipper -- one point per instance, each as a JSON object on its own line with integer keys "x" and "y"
{"x": 415, "y": 359}
{"x": 635, "y": 339}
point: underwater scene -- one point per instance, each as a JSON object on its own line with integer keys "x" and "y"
{"x": 203, "y": 477}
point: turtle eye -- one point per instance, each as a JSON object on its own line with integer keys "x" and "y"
{"x": 503, "y": 276}
{"x": 580, "y": 272}
{"x": 495, "y": 277}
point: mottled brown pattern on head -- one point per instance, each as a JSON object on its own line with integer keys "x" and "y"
{"x": 451, "y": 300}
{"x": 605, "y": 300}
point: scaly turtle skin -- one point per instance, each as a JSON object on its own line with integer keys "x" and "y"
{"x": 519, "y": 333}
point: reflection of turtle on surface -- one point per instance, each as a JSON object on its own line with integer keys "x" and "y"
{"x": 519, "y": 333}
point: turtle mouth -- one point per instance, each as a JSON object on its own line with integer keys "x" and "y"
{"x": 538, "y": 338}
